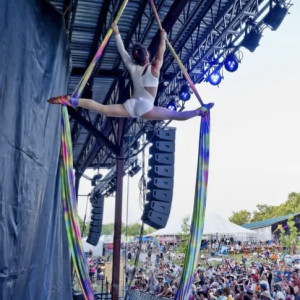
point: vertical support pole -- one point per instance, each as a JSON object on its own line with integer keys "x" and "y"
{"x": 77, "y": 181}
{"x": 119, "y": 200}
{"x": 118, "y": 216}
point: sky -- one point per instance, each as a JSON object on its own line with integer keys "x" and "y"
{"x": 254, "y": 146}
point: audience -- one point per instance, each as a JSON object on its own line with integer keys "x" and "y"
{"x": 253, "y": 276}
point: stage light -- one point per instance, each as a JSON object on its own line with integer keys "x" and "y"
{"x": 275, "y": 16}
{"x": 251, "y": 39}
{"x": 184, "y": 93}
{"x": 231, "y": 62}
{"x": 96, "y": 179}
{"x": 134, "y": 170}
{"x": 214, "y": 78}
{"x": 172, "y": 105}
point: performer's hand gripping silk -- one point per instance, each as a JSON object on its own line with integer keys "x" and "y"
{"x": 144, "y": 75}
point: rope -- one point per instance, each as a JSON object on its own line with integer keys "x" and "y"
{"x": 192, "y": 253}
{"x": 67, "y": 180}
{"x": 180, "y": 64}
{"x": 79, "y": 89}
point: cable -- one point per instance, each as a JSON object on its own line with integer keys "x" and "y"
{"x": 137, "y": 257}
{"x": 83, "y": 223}
{"x": 142, "y": 184}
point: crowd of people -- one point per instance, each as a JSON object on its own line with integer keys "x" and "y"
{"x": 96, "y": 267}
{"x": 247, "y": 277}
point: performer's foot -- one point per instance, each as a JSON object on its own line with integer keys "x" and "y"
{"x": 204, "y": 109}
{"x": 64, "y": 100}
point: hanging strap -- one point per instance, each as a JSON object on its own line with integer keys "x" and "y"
{"x": 193, "y": 249}
{"x": 180, "y": 64}
{"x": 79, "y": 89}
{"x": 70, "y": 209}
{"x": 67, "y": 180}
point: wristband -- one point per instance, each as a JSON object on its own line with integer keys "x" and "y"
{"x": 74, "y": 101}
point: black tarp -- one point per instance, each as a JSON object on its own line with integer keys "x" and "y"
{"x": 34, "y": 56}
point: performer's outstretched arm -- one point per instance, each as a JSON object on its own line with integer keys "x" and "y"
{"x": 124, "y": 54}
{"x": 159, "y": 56}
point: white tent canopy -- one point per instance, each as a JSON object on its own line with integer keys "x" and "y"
{"x": 213, "y": 224}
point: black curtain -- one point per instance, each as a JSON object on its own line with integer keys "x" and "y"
{"x": 34, "y": 57}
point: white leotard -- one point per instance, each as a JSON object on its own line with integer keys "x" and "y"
{"x": 148, "y": 79}
{"x": 142, "y": 101}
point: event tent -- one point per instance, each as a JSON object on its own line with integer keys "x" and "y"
{"x": 213, "y": 225}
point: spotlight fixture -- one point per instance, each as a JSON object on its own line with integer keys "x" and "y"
{"x": 172, "y": 105}
{"x": 275, "y": 16}
{"x": 231, "y": 62}
{"x": 214, "y": 78}
{"x": 96, "y": 179}
{"x": 184, "y": 93}
{"x": 251, "y": 39}
{"x": 134, "y": 170}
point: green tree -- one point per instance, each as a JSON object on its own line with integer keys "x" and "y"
{"x": 291, "y": 205}
{"x": 292, "y": 237}
{"x": 149, "y": 230}
{"x": 133, "y": 229}
{"x": 184, "y": 235}
{"x": 107, "y": 229}
{"x": 240, "y": 217}
{"x": 263, "y": 212}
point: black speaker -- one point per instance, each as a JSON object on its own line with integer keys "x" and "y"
{"x": 155, "y": 219}
{"x": 275, "y": 16}
{"x": 160, "y": 183}
{"x": 93, "y": 238}
{"x": 161, "y": 170}
{"x": 162, "y": 159}
{"x": 160, "y": 195}
{"x": 158, "y": 206}
{"x": 97, "y": 201}
{"x": 160, "y": 177}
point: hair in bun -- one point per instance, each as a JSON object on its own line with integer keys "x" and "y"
{"x": 139, "y": 54}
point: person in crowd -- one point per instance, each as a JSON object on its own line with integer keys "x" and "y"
{"x": 279, "y": 294}
{"x": 166, "y": 292}
{"x": 92, "y": 271}
{"x": 265, "y": 295}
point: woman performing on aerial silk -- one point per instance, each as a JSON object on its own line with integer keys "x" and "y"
{"x": 145, "y": 77}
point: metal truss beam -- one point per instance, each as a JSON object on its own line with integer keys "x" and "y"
{"x": 88, "y": 126}
{"x": 209, "y": 29}
{"x": 214, "y": 41}
{"x": 114, "y": 74}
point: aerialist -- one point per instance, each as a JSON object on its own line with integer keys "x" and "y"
{"x": 144, "y": 75}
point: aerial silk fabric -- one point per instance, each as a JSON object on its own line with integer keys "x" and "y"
{"x": 193, "y": 250}
{"x": 70, "y": 209}
{"x": 180, "y": 64}
{"x": 68, "y": 183}
{"x": 80, "y": 87}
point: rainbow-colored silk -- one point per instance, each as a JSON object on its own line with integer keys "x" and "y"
{"x": 67, "y": 179}
{"x": 80, "y": 87}
{"x": 193, "y": 250}
{"x": 70, "y": 209}
{"x": 192, "y": 253}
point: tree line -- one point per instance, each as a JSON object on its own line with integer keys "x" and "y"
{"x": 108, "y": 229}
{"x": 264, "y": 211}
